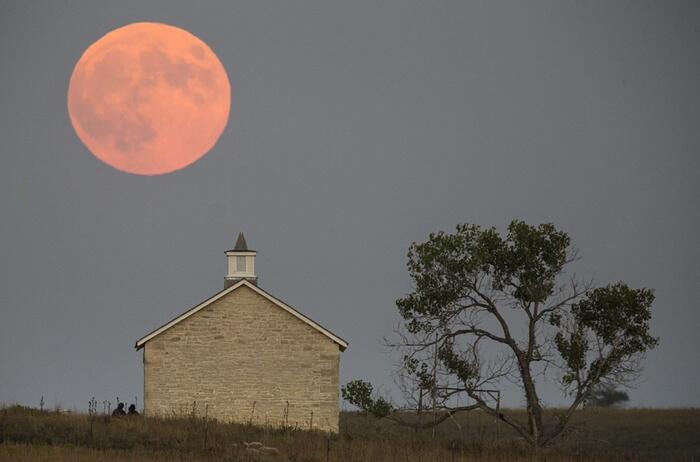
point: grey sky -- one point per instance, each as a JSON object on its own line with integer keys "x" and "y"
{"x": 355, "y": 129}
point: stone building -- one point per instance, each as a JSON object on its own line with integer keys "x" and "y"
{"x": 243, "y": 355}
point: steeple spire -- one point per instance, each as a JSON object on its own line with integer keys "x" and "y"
{"x": 240, "y": 243}
{"x": 241, "y": 263}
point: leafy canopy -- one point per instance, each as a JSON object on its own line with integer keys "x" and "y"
{"x": 525, "y": 264}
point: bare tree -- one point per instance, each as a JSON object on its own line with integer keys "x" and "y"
{"x": 488, "y": 308}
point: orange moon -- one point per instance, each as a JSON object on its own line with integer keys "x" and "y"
{"x": 149, "y": 98}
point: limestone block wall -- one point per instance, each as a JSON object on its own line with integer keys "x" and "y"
{"x": 247, "y": 360}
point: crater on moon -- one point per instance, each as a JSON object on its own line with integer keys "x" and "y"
{"x": 149, "y": 98}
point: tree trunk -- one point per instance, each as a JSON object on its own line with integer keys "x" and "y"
{"x": 534, "y": 409}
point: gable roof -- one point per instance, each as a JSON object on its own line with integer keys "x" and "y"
{"x": 341, "y": 343}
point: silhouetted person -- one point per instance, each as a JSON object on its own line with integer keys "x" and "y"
{"x": 119, "y": 411}
{"x": 132, "y": 410}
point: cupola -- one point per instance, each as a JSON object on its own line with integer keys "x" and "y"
{"x": 241, "y": 263}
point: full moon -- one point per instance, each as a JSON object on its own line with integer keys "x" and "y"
{"x": 149, "y": 98}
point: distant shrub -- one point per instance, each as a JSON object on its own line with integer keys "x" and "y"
{"x": 606, "y": 396}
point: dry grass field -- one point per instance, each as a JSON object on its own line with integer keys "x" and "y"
{"x": 595, "y": 435}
